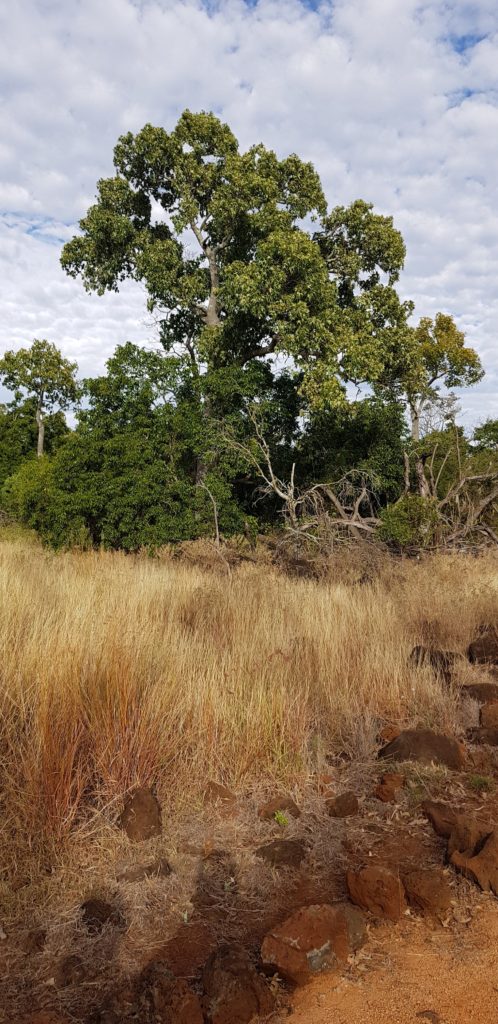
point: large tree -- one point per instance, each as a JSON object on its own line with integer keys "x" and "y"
{"x": 42, "y": 374}
{"x": 223, "y": 242}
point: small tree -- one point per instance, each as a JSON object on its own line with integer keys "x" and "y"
{"x": 439, "y": 356}
{"x": 41, "y": 373}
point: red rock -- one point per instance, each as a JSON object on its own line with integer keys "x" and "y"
{"x": 171, "y": 999}
{"x": 389, "y": 787}
{"x": 482, "y": 867}
{"x": 425, "y": 746}
{"x": 283, "y": 853}
{"x": 344, "y": 805}
{"x": 441, "y": 816}
{"x": 215, "y": 793}
{"x": 389, "y": 733}
{"x": 489, "y": 715}
{"x": 484, "y": 649}
{"x": 467, "y": 835}
{"x": 484, "y": 737}
{"x": 377, "y": 890}
{"x": 314, "y": 940}
{"x": 482, "y": 692}
{"x": 283, "y": 803}
{"x": 141, "y": 817}
{"x": 234, "y": 991}
{"x": 428, "y": 891}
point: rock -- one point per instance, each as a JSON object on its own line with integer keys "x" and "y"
{"x": 441, "y": 816}
{"x": 34, "y": 941}
{"x": 482, "y": 692}
{"x": 467, "y": 836}
{"x": 313, "y": 940}
{"x": 95, "y": 913}
{"x": 234, "y": 991}
{"x": 171, "y": 1000}
{"x": 425, "y": 746}
{"x": 283, "y": 853}
{"x": 159, "y": 868}
{"x": 388, "y": 733}
{"x": 482, "y": 868}
{"x": 215, "y": 793}
{"x": 428, "y": 891}
{"x": 489, "y": 715}
{"x": 441, "y": 662}
{"x": 69, "y": 971}
{"x": 42, "y": 1017}
{"x": 389, "y": 787}
{"x": 343, "y": 805}
{"x": 484, "y": 737}
{"x": 377, "y": 890}
{"x": 484, "y": 649}
{"x": 285, "y": 804}
{"x": 141, "y": 817}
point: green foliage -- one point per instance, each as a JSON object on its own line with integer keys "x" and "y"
{"x": 368, "y": 436}
{"x": 409, "y": 522}
{"x": 480, "y": 783}
{"x": 281, "y": 818}
{"x": 230, "y": 267}
{"x": 40, "y": 372}
{"x": 485, "y": 437}
{"x": 18, "y": 434}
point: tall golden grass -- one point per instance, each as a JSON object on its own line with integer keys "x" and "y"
{"x": 119, "y": 670}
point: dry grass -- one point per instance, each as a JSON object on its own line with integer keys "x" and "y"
{"x": 117, "y": 671}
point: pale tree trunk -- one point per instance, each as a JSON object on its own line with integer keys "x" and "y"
{"x": 41, "y": 431}
{"x": 415, "y": 414}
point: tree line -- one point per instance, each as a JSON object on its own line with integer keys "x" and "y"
{"x": 271, "y": 311}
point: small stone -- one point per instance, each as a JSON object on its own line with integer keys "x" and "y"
{"x": 428, "y": 891}
{"x": 482, "y": 692}
{"x": 283, "y": 853}
{"x": 283, "y": 804}
{"x": 215, "y": 793}
{"x": 484, "y": 649}
{"x": 467, "y": 835}
{"x": 171, "y": 999}
{"x": 484, "y": 737}
{"x": 482, "y": 868}
{"x": 344, "y": 805}
{"x": 489, "y": 715}
{"x": 389, "y": 787}
{"x": 427, "y": 747}
{"x": 377, "y": 890}
{"x": 141, "y": 817}
{"x": 441, "y": 816}
{"x": 234, "y": 991}
{"x": 314, "y": 940}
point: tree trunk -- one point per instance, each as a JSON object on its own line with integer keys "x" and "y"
{"x": 415, "y": 414}
{"x": 41, "y": 431}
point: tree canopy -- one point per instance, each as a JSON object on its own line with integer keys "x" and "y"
{"x": 42, "y": 374}
{"x": 222, "y": 241}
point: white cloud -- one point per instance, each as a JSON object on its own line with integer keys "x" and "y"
{"x": 394, "y": 102}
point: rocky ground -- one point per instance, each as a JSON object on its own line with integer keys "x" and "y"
{"x": 366, "y": 894}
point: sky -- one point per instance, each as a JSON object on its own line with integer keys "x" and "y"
{"x": 394, "y": 101}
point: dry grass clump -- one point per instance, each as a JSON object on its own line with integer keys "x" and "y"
{"x": 117, "y": 671}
